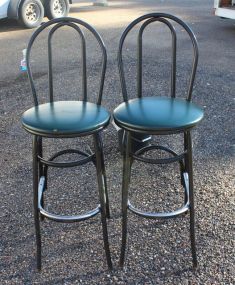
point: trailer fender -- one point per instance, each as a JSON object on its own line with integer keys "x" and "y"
{"x": 13, "y": 9}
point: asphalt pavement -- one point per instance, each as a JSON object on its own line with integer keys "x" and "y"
{"x": 158, "y": 252}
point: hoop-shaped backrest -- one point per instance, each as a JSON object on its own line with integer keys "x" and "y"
{"x": 147, "y": 20}
{"x": 75, "y": 24}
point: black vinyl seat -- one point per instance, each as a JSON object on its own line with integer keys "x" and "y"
{"x": 153, "y": 116}
{"x": 157, "y": 115}
{"x": 67, "y": 119}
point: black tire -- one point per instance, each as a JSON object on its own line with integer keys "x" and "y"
{"x": 56, "y": 8}
{"x": 31, "y": 13}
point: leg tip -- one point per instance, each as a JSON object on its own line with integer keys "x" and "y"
{"x": 121, "y": 264}
{"x": 39, "y": 263}
{"x": 107, "y": 212}
{"x": 39, "y": 268}
{"x": 195, "y": 265}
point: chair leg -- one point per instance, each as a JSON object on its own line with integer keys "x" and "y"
{"x": 184, "y": 167}
{"x": 189, "y": 168}
{"x": 35, "y": 200}
{"x": 39, "y": 146}
{"x": 45, "y": 171}
{"x": 125, "y": 185}
{"x": 40, "y": 170}
{"x": 102, "y": 196}
{"x": 107, "y": 208}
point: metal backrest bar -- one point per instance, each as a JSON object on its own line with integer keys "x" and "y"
{"x": 140, "y": 57}
{"x": 164, "y": 18}
{"x": 71, "y": 22}
{"x": 84, "y": 75}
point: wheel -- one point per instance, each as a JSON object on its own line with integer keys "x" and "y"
{"x": 31, "y": 13}
{"x": 56, "y": 8}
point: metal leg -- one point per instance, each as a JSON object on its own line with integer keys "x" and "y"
{"x": 125, "y": 186}
{"x": 35, "y": 200}
{"x": 107, "y": 208}
{"x": 45, "y": 171}
{"x": 102, "y": 196}
{"x": 40, "y": 169}
{"x": 189, "y": 169}
{"x": 185, "y": 166}
{"x": 39, "y": 146}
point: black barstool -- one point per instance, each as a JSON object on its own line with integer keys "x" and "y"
{"x": 67, "y": 119}
{"x": 158, "y": 116}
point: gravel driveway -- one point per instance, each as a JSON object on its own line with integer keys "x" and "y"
{"x": 158, "y": 252}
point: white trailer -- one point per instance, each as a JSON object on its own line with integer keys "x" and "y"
{"x": 31, "y": 12}
{"x": 225, "y": 8}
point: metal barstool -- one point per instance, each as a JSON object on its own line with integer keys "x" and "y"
{"x": 158, "y": 116}
{"x": 67, "y": 119}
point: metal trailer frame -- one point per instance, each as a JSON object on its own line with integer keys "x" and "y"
{"x": 227, "y": 11}
{"x": 13, "y": 8}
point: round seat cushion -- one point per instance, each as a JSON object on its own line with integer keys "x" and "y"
{"x": 65, "y": 119}
{"x": 157, "y": 115}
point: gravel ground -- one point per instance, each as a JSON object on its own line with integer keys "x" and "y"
{"x": 158, "y": 252}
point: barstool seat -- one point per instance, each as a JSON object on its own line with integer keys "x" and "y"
{"x": 65, "y": 118}
{"x": 157, "y": 114}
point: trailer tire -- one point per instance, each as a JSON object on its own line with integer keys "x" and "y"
{"x": 31, "y": 13}
{"x": 57, "y": 8}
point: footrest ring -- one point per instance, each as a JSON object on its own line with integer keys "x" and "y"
{"x": 163, "y": 215}
{"x": 62, "y": 218}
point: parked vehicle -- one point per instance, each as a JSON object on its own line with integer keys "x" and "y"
{"x": 225, "y": 8}
{"x": 30, "y": 13}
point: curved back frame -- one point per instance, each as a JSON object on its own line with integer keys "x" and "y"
{"x": 73, "y": 23}
{"x": 148, "y": 19}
